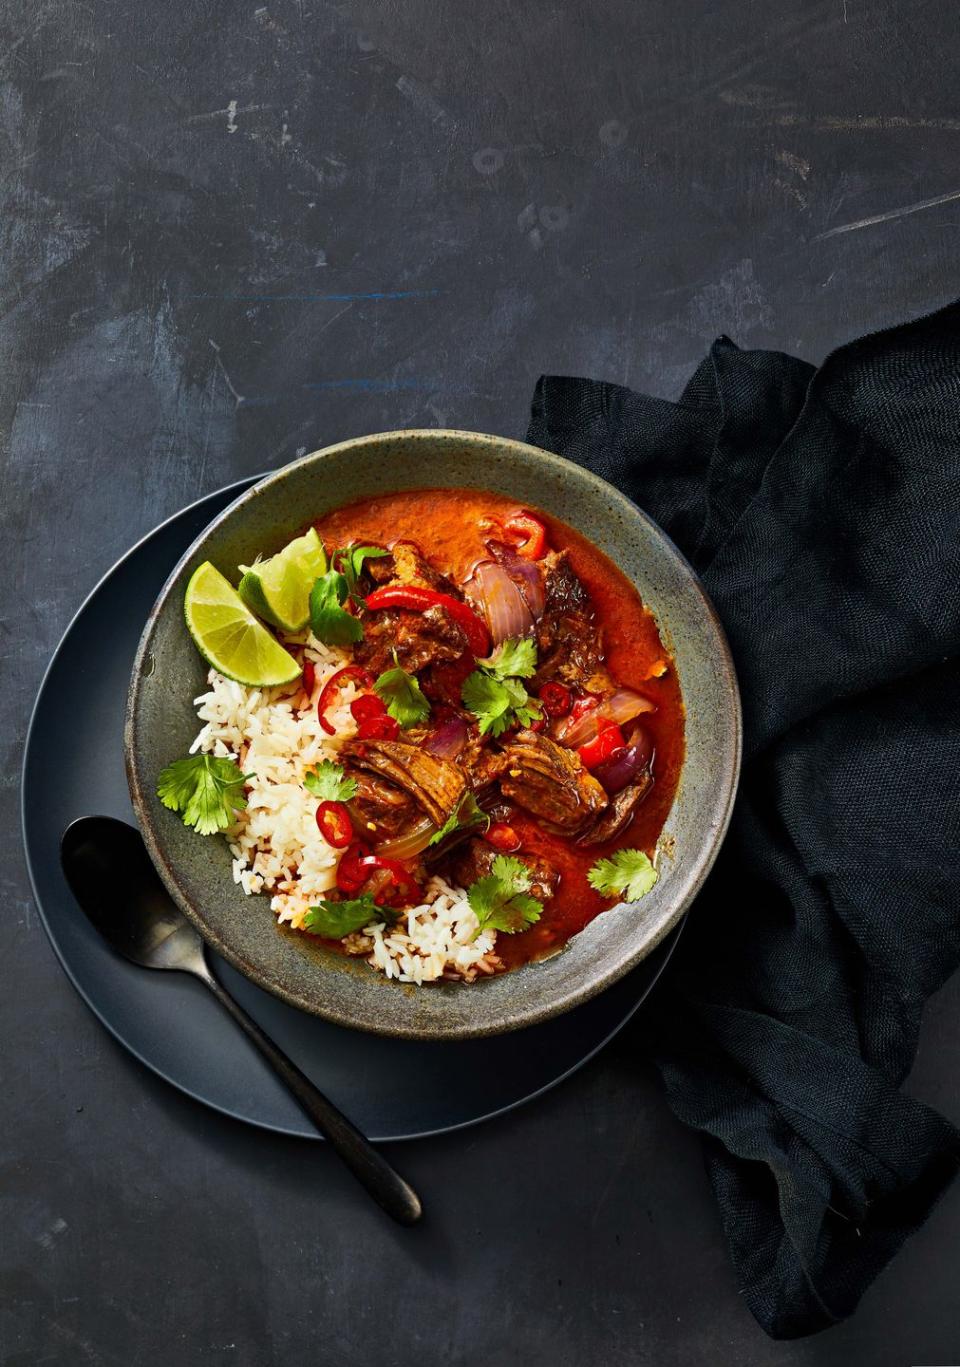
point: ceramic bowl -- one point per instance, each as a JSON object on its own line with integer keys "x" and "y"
{"x": 169, "y": 673}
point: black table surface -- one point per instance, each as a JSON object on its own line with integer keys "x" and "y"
{"x": 231, "y": 234}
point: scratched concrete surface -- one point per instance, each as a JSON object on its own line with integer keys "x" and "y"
{"x": 230, "y": 233}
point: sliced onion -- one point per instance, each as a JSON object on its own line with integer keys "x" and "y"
{"x": 624, "y": 766}
{"x": 524, "y": 573}
{"x": 448, "y": 740}
{"x": 507, "y": 614}
{"x": 621, "y": 706}
{"x": 411, "y": 842}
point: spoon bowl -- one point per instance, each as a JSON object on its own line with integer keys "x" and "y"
{"x": 112, "y": 877}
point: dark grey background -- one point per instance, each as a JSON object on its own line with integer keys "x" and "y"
{"x": 198, "y": 200}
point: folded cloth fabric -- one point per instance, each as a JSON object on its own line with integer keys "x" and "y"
{"x": 821, "y": 508}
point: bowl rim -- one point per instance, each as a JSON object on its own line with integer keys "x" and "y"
{"x": 725, "y": 781}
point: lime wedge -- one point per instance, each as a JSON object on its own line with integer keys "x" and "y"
{"x": 278, "y": 589}
{"x": 229, "y": 637}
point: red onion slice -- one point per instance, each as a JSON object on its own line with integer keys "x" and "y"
{"x": 411, "y": 842}
{"x": 621, "y": 706}
{"x": 448, "y": 740}
{"x": 525, "y": 574}
{"x": 507, "y": 614}
{"x": 624, "y": 766}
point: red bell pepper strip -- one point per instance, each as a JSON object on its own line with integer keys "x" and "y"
{"x": 333, "y": 685}
{"x": 334, "y": 824}
{"x": 417, "y": 599}
{"x": 608, "y": 740}
{"x": 528, "y": 533}
{"x": 309, "y": 677}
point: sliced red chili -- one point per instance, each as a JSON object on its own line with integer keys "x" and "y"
{"x": 332, "y": 687}
{"x": 404, "y": 890}
{"x": 528, "y": 534}
{"x": 351, "y": 875}
{"x": 503, "y": 837}
{"x": 334, "y": 824}
{"x": 417, "y": 599}
{"x": 309, "y": 677}
{"x": 357, "y": 865}
{"x": 608, "y": 740}
{"x": 583, "y": 705}
{"x": 556, "y": 698}
{"x": 382, "y": 727}
{"x": 366, "y": 707}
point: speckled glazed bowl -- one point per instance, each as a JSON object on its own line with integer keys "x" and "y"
{"x": 169, "y": 673}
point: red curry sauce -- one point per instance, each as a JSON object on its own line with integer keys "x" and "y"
{"x": 449, "y": 527}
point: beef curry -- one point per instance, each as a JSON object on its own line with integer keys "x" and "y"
{"x": 541, "y": 713}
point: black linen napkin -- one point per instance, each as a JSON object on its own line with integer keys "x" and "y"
{"x": 822, "y": 510}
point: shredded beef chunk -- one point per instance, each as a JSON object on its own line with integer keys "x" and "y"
{"x": 474, "y": 860}
{"x": 436, "y": 785}
{"x": 380, "y": 810}
{"x": 419, "y": 638}
{"x": 568, "y": 638}
{"x": 551, "y": 783}
{"x": 615, "y": 820}
{"x": 481, "y": 765}
{"x": 406, "y": 564}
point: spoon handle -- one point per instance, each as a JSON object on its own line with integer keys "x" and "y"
{"x": 369, "y": 1167}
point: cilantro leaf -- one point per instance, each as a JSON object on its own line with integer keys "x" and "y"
{"x": 525, "y": 708}
{"x": 350, "y": 563}
{"x": 333, "y": 920}
{"x": 501, "y": 900}
{"x": 627, "y": 873}
{"x": 329, "y": 784}
{"x": 402, "y": 695}
{"x": 467, "y": 813}
{"x": 489, "y": 702}
{"x": 329, "y": 621}
{"x": 498, "y": 703}
{"x": 494, "y": 693}
{"x": 206, "y": 790}
{"x": 516, "y": 657}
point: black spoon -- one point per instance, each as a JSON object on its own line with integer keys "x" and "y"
{"x": 110, "y": 874}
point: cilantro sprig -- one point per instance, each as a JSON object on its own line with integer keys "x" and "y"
{"x": 402, "y": 694}
{"x": 501, "y": 900}
{"x": 206, "y": 790}
{"x": 513, "y": 658}
{"x": 494, "y": 692}
{"x": 349, "y": 562}
{"x": 329, "y": 783}
{"x": 466, "y": 814}
{"x": 334, "y": 920}
{"x": 329, "y": 620}
{"x": 626, "y": 873}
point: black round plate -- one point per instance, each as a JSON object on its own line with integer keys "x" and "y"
{"x": 392, "y": 1089}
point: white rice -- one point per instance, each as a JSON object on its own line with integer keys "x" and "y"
{"x": 275, "y": 737}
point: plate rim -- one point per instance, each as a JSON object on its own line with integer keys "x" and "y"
{"x": 665, "y": 948}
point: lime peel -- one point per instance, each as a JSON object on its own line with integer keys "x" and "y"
{"x": 278, "y": 589}
{"x": 229, "y": 636}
